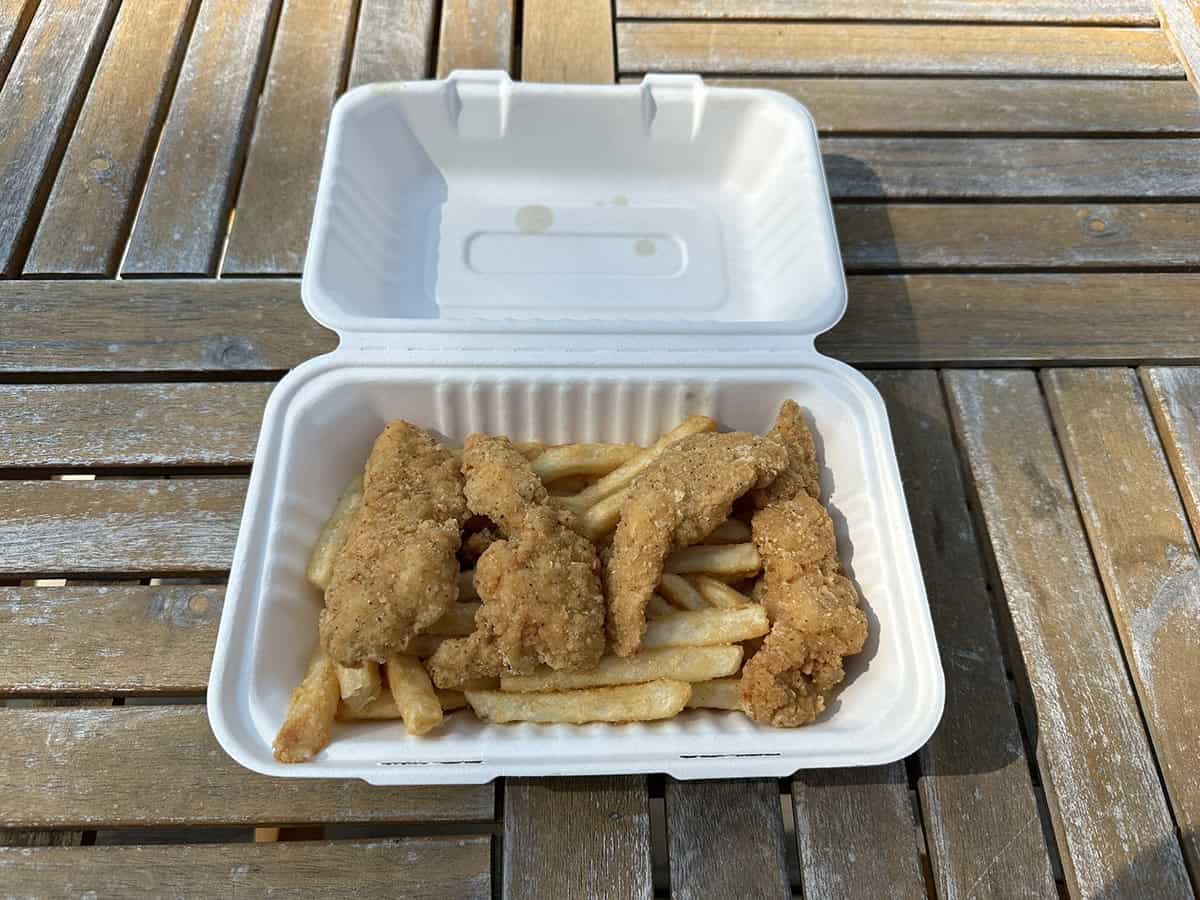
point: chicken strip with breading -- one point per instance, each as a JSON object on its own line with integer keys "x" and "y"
{"x": 801, "y": 473}
{"x": 685, "y": 494}
{"x": 397, "y": 573}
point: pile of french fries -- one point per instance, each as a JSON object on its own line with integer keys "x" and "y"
{"x": 701, "y": 622}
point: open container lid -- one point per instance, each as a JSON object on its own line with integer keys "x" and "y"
{"x": 477, "y": 204}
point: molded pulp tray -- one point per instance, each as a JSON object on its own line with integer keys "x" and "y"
{"x": 570, "y": 264}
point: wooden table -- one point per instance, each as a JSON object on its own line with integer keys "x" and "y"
{"x": 1017, "y": 189}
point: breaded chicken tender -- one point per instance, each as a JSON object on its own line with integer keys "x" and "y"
{"x": 684, "y": 494}
{"x": 397, "y": 573}
{"x": 801, "y": 473}
{"x": 540, "y": 586}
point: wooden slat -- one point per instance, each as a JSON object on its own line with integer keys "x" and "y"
{"x": 37, "y": 106}
{"x": 895, "y": 237}
{"x": 858, "y": 49}
{"x": 1174, "y": 396}
{"x": 275, "y": 204}
{"x": 856, "y": 834}
{"x": 981, "y": 819}
{"x": 155, "y": 326}
{"x": 394, "y": 41}
{"x": 1181, "y": 24}
{"x": 92, "y": 767}
{"x": 14, "y": 19}
{"x": 725, "y": 839}
{"x": 146, "y": 525}
{"x": 1114, "y": 831}
{"x": 101, "y": 425}
{"x": 570, "y": 43}
{"x": 108, "y": 640}
{"x": 1147, "y": 561}
{"x": 475, "y": 34}
{"x": 1017, "y": 319}
{"x": 87, "y": 216}
{"x": 1018, "y": 167}
{"x": 184, "y": 212}
{"x": 425, "y": 868}
{"x": 982, "y": 105}
{"x": 572, "y": 837}
{"x": 1118, "y": 12}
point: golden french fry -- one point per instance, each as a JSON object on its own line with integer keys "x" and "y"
{"x": 658, "y": 607}
{"x": 414, "y": 695}
{"x": 423, "y": 646}
{"x": 704, "y": 627}
{"x": 720, "y": 693}
{"x": 305, "y": 729}
{"x": 384, "y": 707}
{"x": 531, "y": 450}
{"x": 333, "y": 534}
{"x": 569, "y": 486}
{"x": 731, "y": 531}
{"x": 624, "y": 703}
{"x": 718, "y": 593}
{"x": 623, "y": 475}
{"x": 675, "y": 663}
{"x": 459, "y": 622}
{"x": 679, "y": 591}
{"x": 582, "y": 459}
{"x": 597, "y": 521}
{"x": 466, "y": 585}
{"x": 358, "y": 685}
{"x": 726, "y": 560}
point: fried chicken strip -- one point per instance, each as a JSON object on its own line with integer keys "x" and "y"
{"x": 801, "y": 473}
{"x": 397, "y": 573}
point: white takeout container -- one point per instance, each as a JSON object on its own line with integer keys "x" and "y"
{"x": 582, "y": 263}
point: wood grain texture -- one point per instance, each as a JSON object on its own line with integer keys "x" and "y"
{"x": 980, "y": 814}
{"x": 567, "y": 43}
{"x": 1147, "y": 560}
{"x": 572, "y": 837}
{"x": 1181, "y": 24}
{"x": 63, "y": 426}
{"x": 143, "y": 526}
{"x": 41, "y": 97}
{"x": 14, "y": 19}
{"x": 954, "y": 168}
{"x": 1016, "y": 319}
{"x": 1115, "y": 12}
{"x": 856, "y": 834}
{"x": 183, "y": 218}
{"x": 476, "y": 34}
{"x": 894, "y": 237}
{"x": 202, "y": 785}
{"x": 425, "y": 868}
{"x": 279, "y": 187}
{"x": 725, "y": 839}
{"x": 1114, "y": 831}
{"x": 88, "y": 213}
{"x": 1174, "y": 397}
{"x": 156, "y": 326}
{"x": 891, "y": 49}
{"x": 394, "y": 41}
{"x": 108, "y": 640}
{"x": 982, "y": 105}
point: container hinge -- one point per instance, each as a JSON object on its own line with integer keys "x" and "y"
{"x": 673, "y": 107}
{"x": 478, "y": 103}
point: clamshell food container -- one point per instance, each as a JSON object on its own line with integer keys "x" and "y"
{"x": 570, "y": 263}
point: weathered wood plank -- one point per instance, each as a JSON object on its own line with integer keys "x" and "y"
{"x": 956, "y": 168}
{"x": 14, "y": 19}
{"x": 425, "y": 868}
{"x": 1147, "y": 561}
{"x": 108, "y": 640}
{"x": 982, "y": 105}
{"x": 1181, "y": 24}
{"x": 275, "y": 203}
{"x": 567, "y": 43}
{"x": 1114, "y": 831}
{"x": 183, "y": 218}
{"x": 91, "y": 205}
{"x": 862, "y": 49}
{"x": 475, "y": 34}
{"x": 146, "y": 525}
{"x": 1111, "y": 12}
{"x": 394, "y": 41}
{"x": 725, "y": 839}
{"x": 856, "y": 834}
{"x": 569, "y": 837}
{"x": 894, "y": 237}
{"x": 37, "y": 106}
{"x": 1174, "y": 396}
{"x": 69, "y": 747}
{"x": 977, "y": 802}
{"x": 100, "y": 425}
